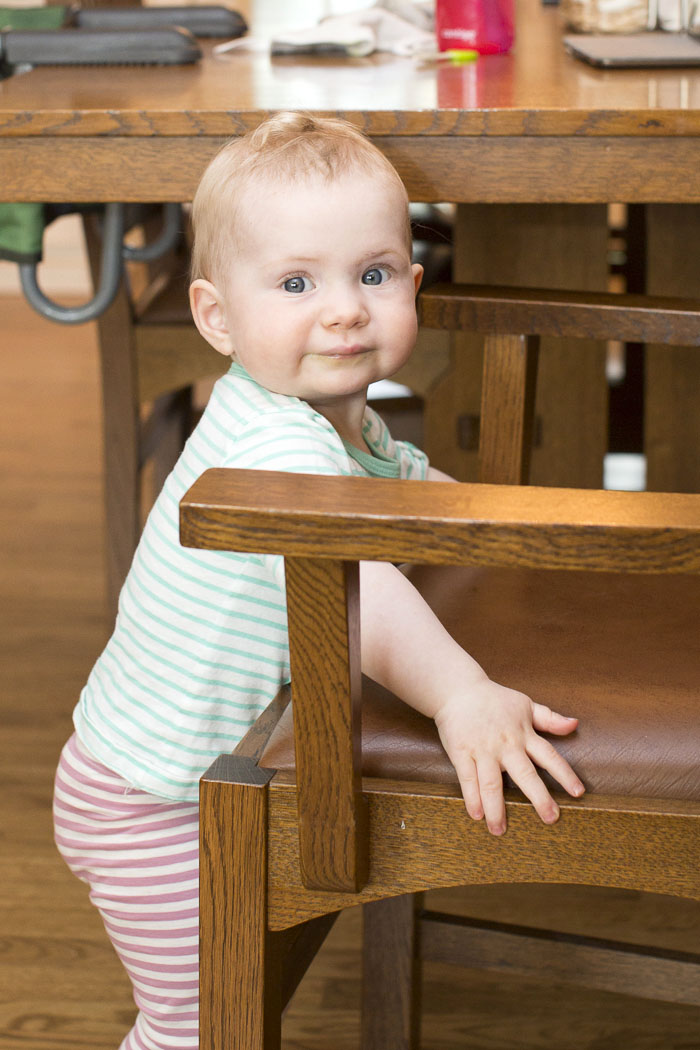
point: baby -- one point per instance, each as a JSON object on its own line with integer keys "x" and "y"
{"x": 302, "y": 275}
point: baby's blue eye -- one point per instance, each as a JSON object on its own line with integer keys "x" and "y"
{"x": 297, "y": 284}
{"x": 377, "y": 275}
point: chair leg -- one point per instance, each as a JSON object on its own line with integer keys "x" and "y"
{"x": 240, "y": 973}
{"x": 163, "y": 439}
{"x": 391, "y": 975}
{"x": 120, "y": 428}
{"x": 121, "y": 460}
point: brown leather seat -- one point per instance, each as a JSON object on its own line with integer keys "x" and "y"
{"x": 612, "y": 639}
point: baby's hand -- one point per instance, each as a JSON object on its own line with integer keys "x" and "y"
{"x": 488, "y": 728}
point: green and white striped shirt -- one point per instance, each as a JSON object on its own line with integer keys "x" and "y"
{"x": 200, "y": 643}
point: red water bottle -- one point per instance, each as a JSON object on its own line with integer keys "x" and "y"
{"x": 485, "y": 26}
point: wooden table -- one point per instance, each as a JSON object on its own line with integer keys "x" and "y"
{"x": 535, "y": 125}
{"x": 517, "y": 140}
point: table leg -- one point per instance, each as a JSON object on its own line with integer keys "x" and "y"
{"x": 672, "y": 379}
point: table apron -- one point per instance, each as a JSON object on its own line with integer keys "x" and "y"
{"x": 490, "y": 169}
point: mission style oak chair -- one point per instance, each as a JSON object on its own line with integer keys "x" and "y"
{"x": 587, "y": 600}
{"x": 151, "y": 357}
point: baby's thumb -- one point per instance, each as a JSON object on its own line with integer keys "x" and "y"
{"x": 548, "y": 721}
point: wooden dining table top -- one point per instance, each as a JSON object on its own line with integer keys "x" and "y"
{"x": 533, "y": 125}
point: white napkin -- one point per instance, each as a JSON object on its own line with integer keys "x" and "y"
{"x": 675, "y": 15}
{"x": 401, "y": 27}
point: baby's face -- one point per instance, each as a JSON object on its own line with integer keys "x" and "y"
{"x": 319, "y": 293}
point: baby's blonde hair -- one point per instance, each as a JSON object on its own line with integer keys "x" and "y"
{"x": 290, "y": 147}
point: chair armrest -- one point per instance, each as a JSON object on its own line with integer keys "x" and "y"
{"x": 267, "y": 512}
{"x": 322, "y": 525}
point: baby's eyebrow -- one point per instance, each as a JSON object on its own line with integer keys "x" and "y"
{"x": 294, "y": 259}
{"x": 298, "y": 261}
{"x": 381, "y": 253}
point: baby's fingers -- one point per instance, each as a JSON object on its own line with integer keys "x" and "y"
{"x": 491, "y": 791}
{"x": 469, "y": 783}
{"x": 482, "y": 790}
{"x": 547, "y": 757}
{"x": 523, "y": 773}
{"x": 547, "y": 721}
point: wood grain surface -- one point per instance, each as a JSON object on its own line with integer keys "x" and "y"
{"x": 391, "y": 970}
{"x": 594, "y": 963}
{"x": 497, "y": 169}
{"x": 236, "y": 950}
{"x": 507, "y": 418}
{"x": 576, "y": 315}
{"x": 536, "y": 90}
{"x": 324, "y": 622}
{"x": 629, "y": 844}
{"x": 539, "y": 246}
{"x": 671, "y": 420}
{"x": 458, "y": 525}
{"x": 534, "y": 125}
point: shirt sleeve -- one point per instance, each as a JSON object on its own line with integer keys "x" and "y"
{"x": 412, "y": 462}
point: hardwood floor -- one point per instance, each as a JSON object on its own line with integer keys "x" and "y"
{"x": 61, "y": 987}
{"x": 56, "y": 971}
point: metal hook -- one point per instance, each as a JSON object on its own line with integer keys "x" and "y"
{"x": 114, "y": 251}
{"x": 110, "y": 276}
{"x": 166, "y": 239}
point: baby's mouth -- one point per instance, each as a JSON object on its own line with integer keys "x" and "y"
{"x": 352, "y": 350}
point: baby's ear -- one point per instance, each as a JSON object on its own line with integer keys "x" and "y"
{"x": 417, "y": 275}
{"x": 209, "y": 315}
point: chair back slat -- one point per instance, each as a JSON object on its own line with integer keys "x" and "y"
{"x": 576, "y": 315}
{"x": 324, "y": 646}
{"x": 507, "y": 408}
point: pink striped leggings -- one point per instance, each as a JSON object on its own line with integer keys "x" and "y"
{"x": 139, "y": 855}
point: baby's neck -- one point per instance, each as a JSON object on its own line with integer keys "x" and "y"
{"x": 347, "y": 418}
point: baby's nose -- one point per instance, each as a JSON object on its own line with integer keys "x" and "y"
{"x": 344, "y": 307}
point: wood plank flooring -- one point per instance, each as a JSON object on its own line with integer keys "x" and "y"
{"x": 61, "y": 987}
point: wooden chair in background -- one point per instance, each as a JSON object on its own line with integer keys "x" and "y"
{"x": 151, "y": 357}
{"x": 587, "y": 600}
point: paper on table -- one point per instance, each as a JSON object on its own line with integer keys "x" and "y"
{"x": 356, "y": 34}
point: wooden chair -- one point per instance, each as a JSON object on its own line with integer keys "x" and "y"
{"x": 587, "y": 600}
{"x": 151, "y": 356}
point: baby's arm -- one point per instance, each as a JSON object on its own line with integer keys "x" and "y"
{"x": 438, "y": 475}
{"x": 485, "y": 728}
